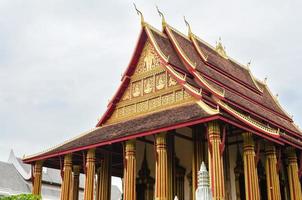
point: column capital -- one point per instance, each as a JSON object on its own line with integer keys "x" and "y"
{"x": 270, "y": 149}
{"x": 68, "y": 160}
{"x": 213, "y": 127}
{"x": 37, "y": 177}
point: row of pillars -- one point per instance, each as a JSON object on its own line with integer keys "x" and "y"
{"x": 71, "y": 174}
{"x": 163, "y": 181}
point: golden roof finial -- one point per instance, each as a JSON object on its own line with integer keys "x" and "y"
{"x": 188, "y": 26}
{"x": 140, "y": 14}
{"x": 163, "y": 20}
{"x": 221, "y": 49}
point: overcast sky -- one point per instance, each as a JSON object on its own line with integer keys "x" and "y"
{"x": 61, "y": 61}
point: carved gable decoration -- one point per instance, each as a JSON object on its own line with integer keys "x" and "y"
{"x": 151, "y": 89}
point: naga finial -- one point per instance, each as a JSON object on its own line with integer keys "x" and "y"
{"x": 188, "y": 26}
{"x": 162, "y": 17}
{"x": 140, "y": 14}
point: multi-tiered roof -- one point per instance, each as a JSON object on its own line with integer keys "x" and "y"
{"x": 221, "y": 88}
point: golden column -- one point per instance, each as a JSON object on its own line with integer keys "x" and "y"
{"x": 171, "y": 164}
{"x": 272, "y": 175}
{"x": 37, "y": 178}
{"x": 215, "y": 161}
{"x": 75, "y": 182}
{"x": 90, "y": 173}
{"x": 104, "y": 178}
{"x": 66, "y": 186}
{"x": 293, "y": 178}
{"x": 161, "y": 168}
{"x": 130, "y": 171}
{"x": 197, "y": 157}
{"x": 250, "y": 169}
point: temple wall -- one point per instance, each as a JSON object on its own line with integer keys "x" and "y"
{"x": 140, "y": 147}
{"x": 232, "y": 160}
{"x": 184, "y": 151}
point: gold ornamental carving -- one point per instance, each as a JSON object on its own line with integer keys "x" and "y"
{"x": 151, "y": 89}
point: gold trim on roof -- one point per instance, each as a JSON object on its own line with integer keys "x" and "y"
{"x": 247, "y": 68}
{"x": 212, "y": 89}
{"x": 249, "y": 120}
{"x": 203, "y": 56}
{"x": 277, "y": 102}
{"x": 193, "y": 65}
{"x": 207, "y": 108}
{"x": 163, "y": 56}
{"x": 151, "y": 88}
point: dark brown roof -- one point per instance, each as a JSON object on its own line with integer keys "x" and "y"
{"x": 158, "y": 120}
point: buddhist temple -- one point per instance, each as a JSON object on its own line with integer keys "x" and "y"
{"x": 182, "y": 102}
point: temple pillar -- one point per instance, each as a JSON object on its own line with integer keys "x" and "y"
{"x": 90, "y": 173}
{"x": 66, "y": 186}
{"x": 104, "y": 178}
{"x": 130, "y": 171}
{"x": 197, "y": 158}
{"x": 171, "y": 165}
{"x": 215, "y": 161}
{"x": 161, "y": 168}
{"x": 250, "y": 169}
{"x": 272, "y": 174}
{"x": 293, "y": 178}
{"x": 37, "y": 178}
{"x": 75, "y": 182}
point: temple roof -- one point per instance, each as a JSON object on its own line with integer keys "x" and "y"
{"x": 159, "y": 121}
{"x": 219, "y": 84}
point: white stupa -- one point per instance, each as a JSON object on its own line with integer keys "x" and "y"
{"x": 203, "y": 191}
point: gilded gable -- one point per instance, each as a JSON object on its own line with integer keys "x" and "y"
{"x": 151, "y": 89}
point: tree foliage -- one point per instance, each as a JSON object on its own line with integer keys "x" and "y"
{"x": 21, "y": 197}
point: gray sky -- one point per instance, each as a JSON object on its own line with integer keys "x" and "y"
{"x": 61, "y": 61}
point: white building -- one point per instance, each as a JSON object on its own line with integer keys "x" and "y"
{"x": 15, "y": 178}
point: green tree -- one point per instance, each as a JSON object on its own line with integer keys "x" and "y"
{"x": 21, "y": 197}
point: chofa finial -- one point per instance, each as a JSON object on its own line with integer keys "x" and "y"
{"x": 188, "y": 26}
{"x": 140, "y": 14}
{"x": 163, "y": 20}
